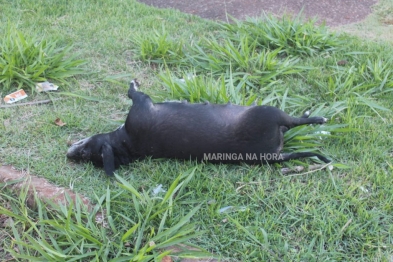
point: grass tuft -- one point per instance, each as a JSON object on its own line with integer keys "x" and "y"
{"x": 158, "y": 47}
{"x": 222, "y": 56}
{"x": 25, "y": 60}
{"x": 291, "y": 35}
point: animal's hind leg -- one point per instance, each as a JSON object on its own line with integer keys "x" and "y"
{"x": 137, "y": 96}
{"x": 304, "y": 120}
{"x": 291, "y": 122}
{"x": 290, "y": 156}
{"x": 281, "y": 131}
{"x": 134, "y": 85}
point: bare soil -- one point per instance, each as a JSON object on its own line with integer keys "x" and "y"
{"x": 332, "y": 12}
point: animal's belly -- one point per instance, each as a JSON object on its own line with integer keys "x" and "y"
{"x": 212, "y": 148}
{"x": 187, "y": 135}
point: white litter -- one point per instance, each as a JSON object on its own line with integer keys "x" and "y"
{"x": 158, "y": 189}
{"x": 46, "y": 86}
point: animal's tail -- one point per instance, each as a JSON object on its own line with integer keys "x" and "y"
{"x": 133, "y": 88}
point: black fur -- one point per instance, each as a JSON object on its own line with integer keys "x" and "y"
{"x": 250, "y": 134}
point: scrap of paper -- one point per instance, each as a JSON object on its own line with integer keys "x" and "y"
{"x": 15, "y": 96}
{"x": 46, "y": 86}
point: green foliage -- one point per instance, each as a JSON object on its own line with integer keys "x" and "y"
{"x": 242, "y": 43}
{"x": 25, "y": 60}
{"x": 61, "y": 233}
{"x": 361, "y": 83}
{"x": 378, "y": 73}
{"x": 199, "y": 88}
{"x": 244, "y": 59}
{"x": 292, "y": 36}
{"x": 158, "y": 47}
{"x": 263, "y": 50}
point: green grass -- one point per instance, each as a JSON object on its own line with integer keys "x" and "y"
{"x": 291, "y": 35}
{"x": 25, "y": 61}
{"x": 61, "y": 233}
{"x": 377, "y": 26}
{"x": 384, "y": 10}
{"x": 343, "y": 214}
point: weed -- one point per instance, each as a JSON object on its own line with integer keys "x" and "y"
{"x": 292, "y": 36}
{"x": 158, "y": 48}
{"x": 243, "y": 59}
{"x": 25, "y": 60}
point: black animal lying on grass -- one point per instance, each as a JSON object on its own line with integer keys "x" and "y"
{"x": 205, "y": 132}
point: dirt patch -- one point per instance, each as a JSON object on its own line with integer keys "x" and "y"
{"x": 40, "y": 187}
{"x": 333, "y": 12}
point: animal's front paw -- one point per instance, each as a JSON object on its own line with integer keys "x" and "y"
{"x": 322, "y": 120}
{"x": 318, "y": 120}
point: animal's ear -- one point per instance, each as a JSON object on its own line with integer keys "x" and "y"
{"x": 108, "y": 159}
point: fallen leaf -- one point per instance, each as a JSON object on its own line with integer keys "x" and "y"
{"x": 342, "y": 62}
{"x": 166, "y": 259}
{"x": 58, "y": 122}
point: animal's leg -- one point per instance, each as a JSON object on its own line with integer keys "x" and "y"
{"x": 294, "y": 121}
{"x": 303, "y": 120}
{"x": 137, "y": 96}
{"x": 134, "y": 85}
{"x": 291, "y": 122}
{"x": 306, "y": 114}
{"x": 289, "y": 156}
{"x": 281, "y": 131}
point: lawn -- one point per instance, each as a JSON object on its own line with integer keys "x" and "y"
{"x": 239, "y": 213}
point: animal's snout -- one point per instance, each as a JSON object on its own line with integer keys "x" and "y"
{"x": 80, "y": 142}
{"x": 75, "y": 149}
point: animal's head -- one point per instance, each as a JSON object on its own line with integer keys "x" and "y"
{"x": 95, "y": 149}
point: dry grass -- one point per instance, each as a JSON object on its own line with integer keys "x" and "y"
{"x": 378, "y": 26}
